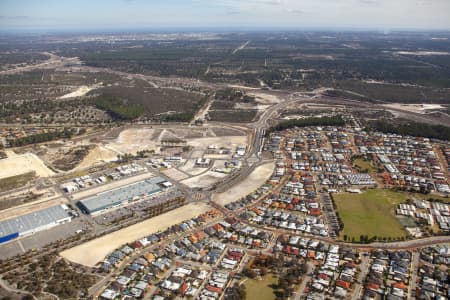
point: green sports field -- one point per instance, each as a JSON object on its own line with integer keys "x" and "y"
{"x": 370, "y": 213}
{"x": 261, "y": 289}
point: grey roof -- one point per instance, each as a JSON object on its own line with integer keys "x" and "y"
{"x": 117, "y": 196}
{"x": 33, "y": 220}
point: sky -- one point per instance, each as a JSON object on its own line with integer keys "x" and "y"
{"x": 298, "y": 14}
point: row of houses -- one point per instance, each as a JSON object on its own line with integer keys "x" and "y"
{"x": 115, "y": 258}
{"x": 433, "y": 280}
{"x": 409, "y": 161}
{"x": 427, "y": 212}
{"x": 335, "y": 267}
{"x": 280, "y": 219}
{"x": 388, "y": 276}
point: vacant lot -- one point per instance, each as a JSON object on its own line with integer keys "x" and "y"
{"x": 261, "y": 289}
{"x": 364, "y": 165}
{"x": 223, "y": 141}
{"x": 256, "y": 179}
{"x": 370, "y": 213}
{"x": 98, "y": 155}
{"x": 136, "y": 139}
{"x": 13, "y": 182}
{"x": 204, "y": 180}
{"x": 233, "y": 115}
{"x": 92, "y": 252}
{"x": 24, "y": 163}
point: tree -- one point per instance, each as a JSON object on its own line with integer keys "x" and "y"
{"x": 238, "y": 292}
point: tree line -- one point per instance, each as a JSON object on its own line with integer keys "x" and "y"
{"x": 440, "y": 132}
{"x": 314, "y": 121}
{"x": 66, "y": 133}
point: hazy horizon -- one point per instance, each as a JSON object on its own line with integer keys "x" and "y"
{"x": 126, "y": 15}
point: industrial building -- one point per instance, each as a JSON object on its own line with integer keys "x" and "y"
{"x": 122, "y": 195}
{"x": 33, "y": 222}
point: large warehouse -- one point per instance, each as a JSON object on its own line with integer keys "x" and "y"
{"x": 33, "y": 222}
{"x": 117, "y": 197}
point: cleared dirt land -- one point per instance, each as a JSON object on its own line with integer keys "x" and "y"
{"x": 190, "y": 168}
{"x": 93, "y": 252}
{"x": 175, "y": 174}
{"x": 96, "y": 156}
{"x": 264, "y": 98}
{"x": 224, "y": 141}
{"x": 17, "y": 164}
{"x": 415, "y": 108}
{"x": 256, "y": 179}
{"x": 81, "y": 91}
{"x": 204, "y": 180}
{"x": 136, "y": 139}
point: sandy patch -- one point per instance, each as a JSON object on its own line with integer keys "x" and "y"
{"x": 197, "y": 154}
{"x": 224, "y": 141}
{"x": 264, "y": 98}
{"x": 81, "y": 91}
{"x": 218, "y": 156}
{"x": 205, "y": 180}
{"x": 92, "y": 252}
{"x": 110, "y": 186}
{"x": 243, "y": 87}
{"x": 190, "y": 168}
{"x": 241, "y": 105}
{"x": 256, "y": 179}
{"x": 133, "y": 140}
{"x": 423, "y": 53}
{"x": 415, "y": 108}
{"x": 19, "y": 164}
{"x": 96, "y": 156}
{"x": 175, "y": 174}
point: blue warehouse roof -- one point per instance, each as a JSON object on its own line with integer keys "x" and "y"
{"x": 33, "y": 220}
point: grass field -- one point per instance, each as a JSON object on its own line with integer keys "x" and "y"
{"x": 261, "y": 289}
{"x": 364, "y": 164}
{"x": 17, "y": 181}
{"x": 370, "y": 213}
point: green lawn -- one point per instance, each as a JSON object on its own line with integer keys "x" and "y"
{"x": 364, "y": 164}
{"x": 261, "y": 289}
{"x": 370, "y": 213}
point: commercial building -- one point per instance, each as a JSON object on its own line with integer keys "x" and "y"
{"x": 122, "y": 195}
{"x": 33, "y": 222}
